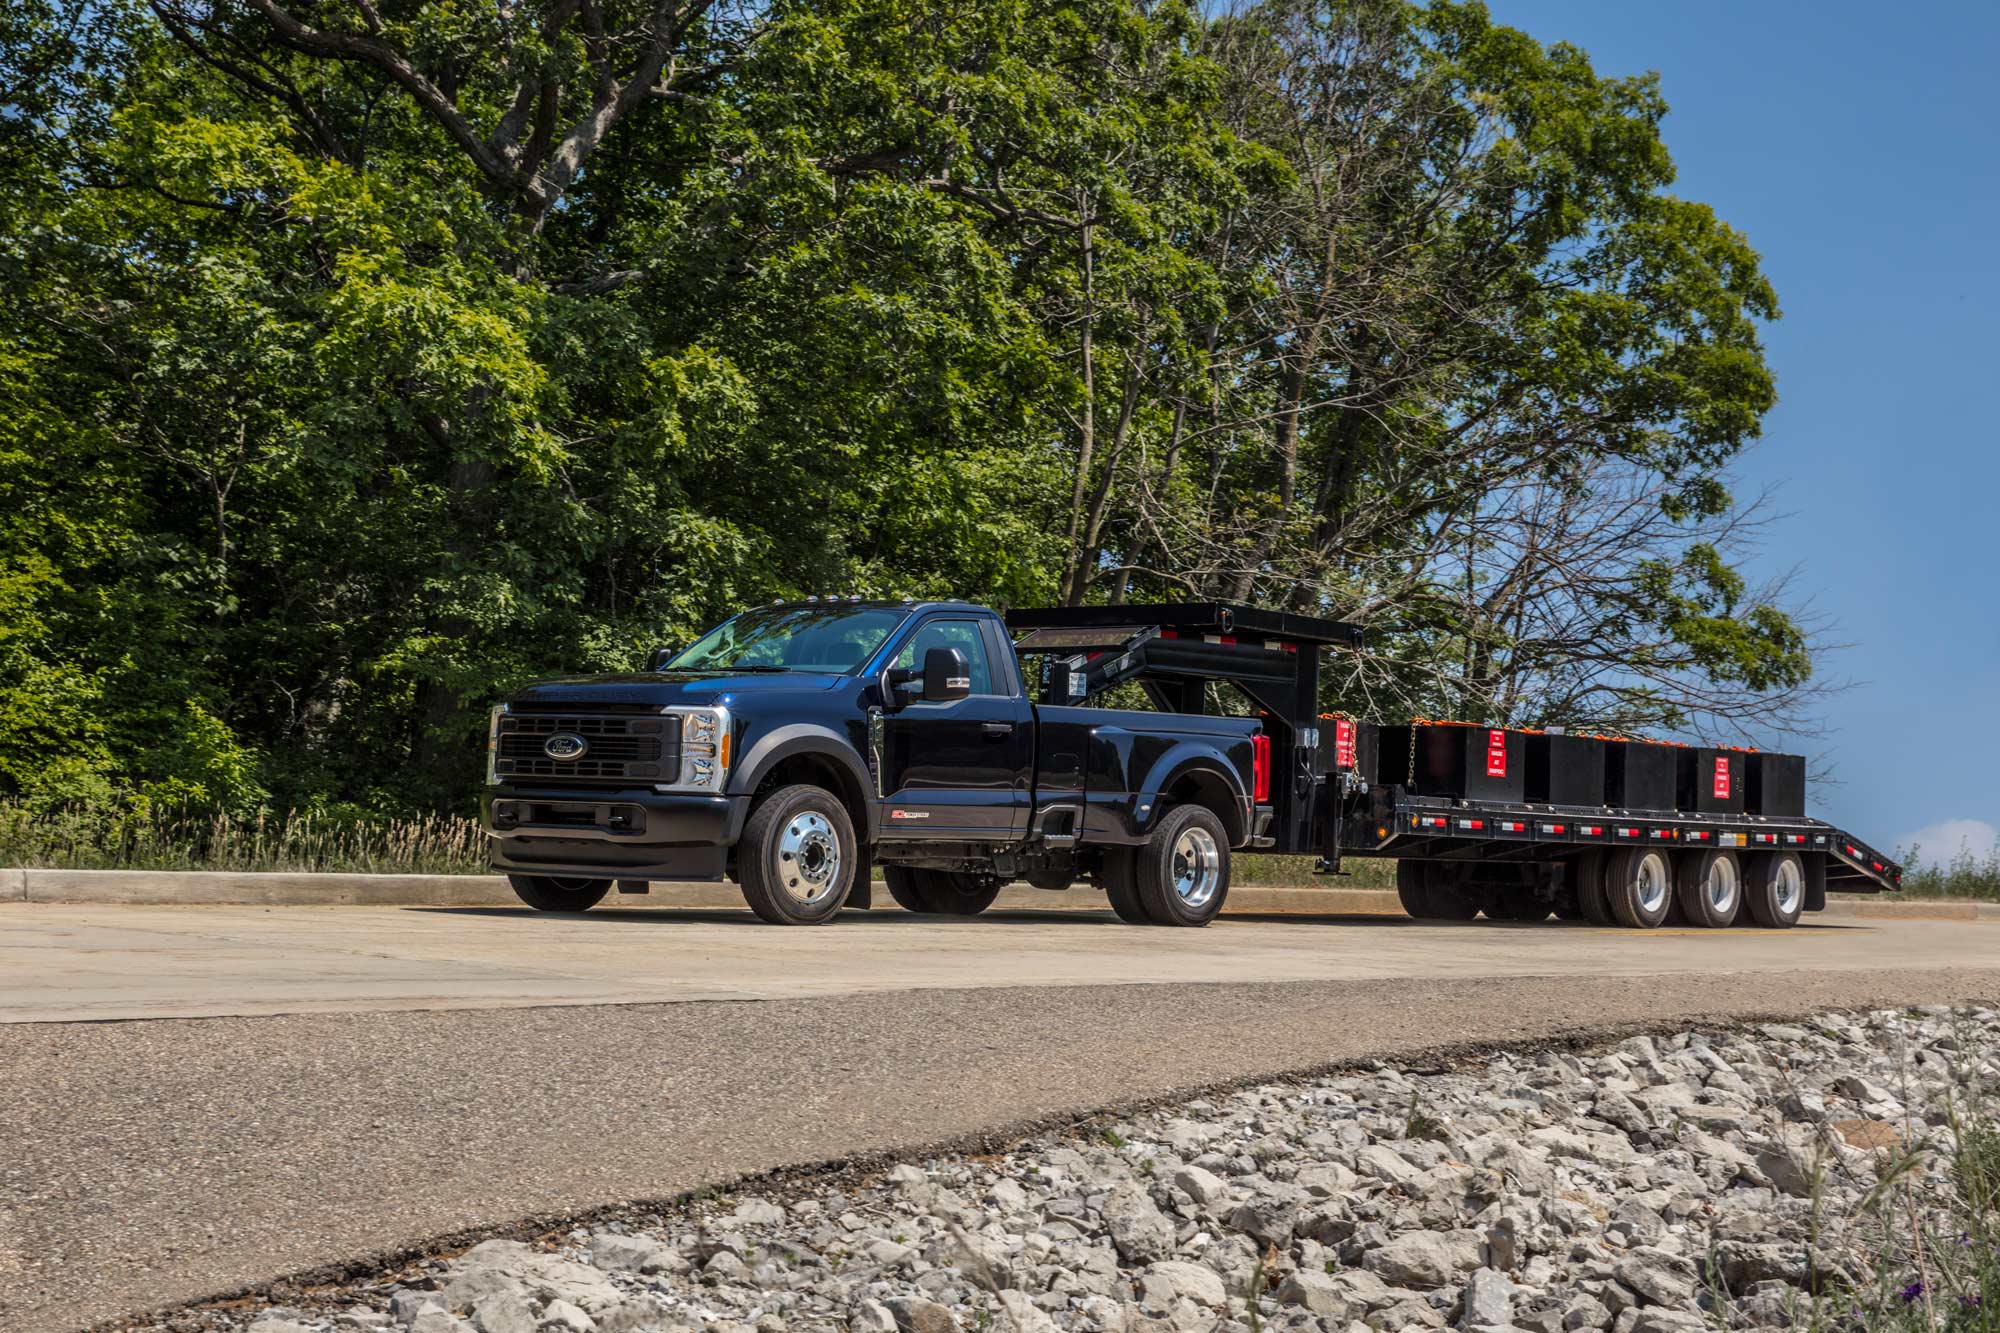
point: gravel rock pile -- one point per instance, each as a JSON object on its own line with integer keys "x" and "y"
{"x": 1663, "y": 1184}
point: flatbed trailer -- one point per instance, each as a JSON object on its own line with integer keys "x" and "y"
{"x": 1333, "y": 796}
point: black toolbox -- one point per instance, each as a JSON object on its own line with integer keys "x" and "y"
{"x": 1709, "y": 781}
{"x": 1775, "y": 784}
{"x": 1564, "y": 770}
{"x": 1639, "y": 775}
{"x": 1454, "y": 759}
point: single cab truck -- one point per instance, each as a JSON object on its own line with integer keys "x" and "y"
{"x": 796, "y": 746}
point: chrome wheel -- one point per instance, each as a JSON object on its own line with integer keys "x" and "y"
{"x": 1654, "y": 884}
{"x": 1788, "y": 886}
{"x": 809, "y": 856}
{"x": 1196, "y": 867}
{"x": 1722, "y": 886}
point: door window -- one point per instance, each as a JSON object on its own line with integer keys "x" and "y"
{"x": 963, "y": 635}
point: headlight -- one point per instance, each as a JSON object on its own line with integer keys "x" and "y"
{"x": 493, "y": 745}
{"x": 699, "y": 729}
{"x": 705, "y": 742}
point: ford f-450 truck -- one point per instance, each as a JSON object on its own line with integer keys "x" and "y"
{"x": 799, "y": 745}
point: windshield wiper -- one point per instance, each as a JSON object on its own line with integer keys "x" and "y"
{"x": 749, "y": 666}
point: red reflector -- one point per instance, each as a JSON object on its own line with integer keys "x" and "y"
{"x": 1556, "y": 828}
{"x": 1170, "y": 634}
{"x": 1591, "y": 830}
{"x": 1260, "y": 768}
{"x": 1475, "y": 823}
{"x": 1628, "y": 833}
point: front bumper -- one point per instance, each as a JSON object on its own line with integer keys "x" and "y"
{"x": 613, "y": 834}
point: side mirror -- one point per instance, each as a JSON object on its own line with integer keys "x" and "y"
{"x": 659, "y": 657}
{"x": 946, "y": 676}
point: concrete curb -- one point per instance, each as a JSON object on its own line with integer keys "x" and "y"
{"x": 223, "y": 888}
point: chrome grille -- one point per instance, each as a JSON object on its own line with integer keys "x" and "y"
{"x": 618, "y": 748}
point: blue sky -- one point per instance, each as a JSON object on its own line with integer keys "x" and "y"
{"x": 1859, "y": 149}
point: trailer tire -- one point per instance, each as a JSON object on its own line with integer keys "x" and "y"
{"x": 903, "y": 886}
{"x": 1413, "y": 888}
{"x": 1587, "y": 874}
{"x": 559, "y": 893}
{"x": 1774, "y": 889}
{"x": 1121, "y": 886}
{"x": 1182, "y": 871}
{"x": 1638, "y": 887}
{"x": 1709, "y": 884}
{"x": 1450, "y": 894}
{"x": 798, "y": 856}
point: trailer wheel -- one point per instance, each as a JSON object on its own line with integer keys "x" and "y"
{"x": 1774, "y": 889}
{"x": 940, "y": 892}
{"x": 1121, "y": 886}
{"x": 1182, "y": 871}
{"x": 1413, "y": 888}
{"x": 798, "y": 856}
{"x": 1586, "y": 875}
{"x": 1638, "y": 887}
{"x": 1590, "y": 870}
{"x": 1450, "y": 891}
{"x": 556, "y": 893}
{"x": 1710, "y": 886}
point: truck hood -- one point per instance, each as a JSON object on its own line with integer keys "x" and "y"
{"x": 661, "y": 689}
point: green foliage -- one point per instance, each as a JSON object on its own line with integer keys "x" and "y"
{"x": 354, "y": 373}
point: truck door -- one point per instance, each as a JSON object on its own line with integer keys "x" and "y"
{"x": 959, "y": 771}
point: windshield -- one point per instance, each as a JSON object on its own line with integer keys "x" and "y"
{"x": 792, "y": 638}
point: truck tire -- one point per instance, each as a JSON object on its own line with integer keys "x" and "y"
{"x": 905, "y": 888}
{"x": 555, "y": 893}
{"x": 1413, "y": 888}
{"x": 1121, "y": 887}
{"x": 941, "y": 892}
{"x": 1182, "y": 871}
{"x": 1589, "y": 870}
{"x": 1709, "y": 883}
{"x": 1638, "y": 887}
{"x": 1774, "y": 889}
{"x": 798, "y": 856}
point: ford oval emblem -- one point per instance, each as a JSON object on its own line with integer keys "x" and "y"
{"x": 565, "y": 745}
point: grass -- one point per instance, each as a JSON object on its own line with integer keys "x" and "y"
{"x": 152, "y": 839}
{"x": 1964, "y": 876}
{"x": 136, "y": 838}
{"x": 1936, "y": 1232}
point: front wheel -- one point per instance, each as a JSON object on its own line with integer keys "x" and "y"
{"x": 798, "y": 856}
{"x": 556, "y": 893}
{"x": 1182, "y": 872}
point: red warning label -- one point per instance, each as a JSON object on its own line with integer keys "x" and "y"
{"x": 1343, "y": 743}
{"x": 1496, "y": 754}
{"x": 1722, "y": 777}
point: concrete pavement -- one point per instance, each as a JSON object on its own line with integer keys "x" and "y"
{"x": 344, "y": 1085}
{"x": 69, "y": 962}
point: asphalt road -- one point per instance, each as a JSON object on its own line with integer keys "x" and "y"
{"x": 152, "y": 1162}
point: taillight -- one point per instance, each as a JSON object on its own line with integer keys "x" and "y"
{"x": 1260, "y": 768}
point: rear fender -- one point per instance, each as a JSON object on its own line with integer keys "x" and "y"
{"x": 1217, "y": 783}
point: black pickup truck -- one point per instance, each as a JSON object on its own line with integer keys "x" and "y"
{"x": 798, "y": 744}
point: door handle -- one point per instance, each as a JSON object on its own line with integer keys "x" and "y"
{"x": 995, "y": 730}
